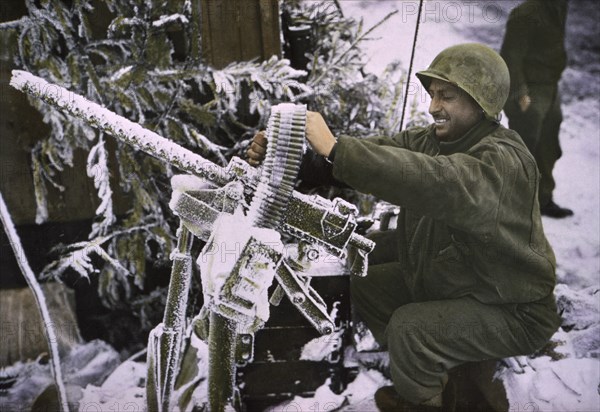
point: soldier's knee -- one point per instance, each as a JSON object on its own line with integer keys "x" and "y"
{"x": 406, "y": 332}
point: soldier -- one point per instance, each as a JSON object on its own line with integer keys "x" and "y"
{"x": 468, "y": 274}
{"x": 534, "y": 50}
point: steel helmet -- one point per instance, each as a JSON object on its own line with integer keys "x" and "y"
{"x": 476, "y": 69}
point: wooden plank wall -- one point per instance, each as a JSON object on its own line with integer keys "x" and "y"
{"x": 239, "y": 30}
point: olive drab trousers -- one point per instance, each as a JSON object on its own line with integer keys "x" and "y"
{"x": 427, "y": 337}
{"x": 539, "y": 127}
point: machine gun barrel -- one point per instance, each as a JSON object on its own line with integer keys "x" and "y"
{"x": 315, "y": 229}
{"x": 121, "y": 128}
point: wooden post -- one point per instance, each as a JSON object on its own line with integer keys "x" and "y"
{"x": 239, "y": 30}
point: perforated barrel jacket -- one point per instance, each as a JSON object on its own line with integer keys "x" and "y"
{"x": 469, "y": 222}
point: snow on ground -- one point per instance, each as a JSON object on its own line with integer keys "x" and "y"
{"x": 86, "y": 365}
{"x": 576, "y": 240}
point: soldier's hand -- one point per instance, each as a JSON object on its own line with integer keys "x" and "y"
{"x": 258, "y": 149}
{"x": 318, "y": 134}
{"x": 524, "y": 102}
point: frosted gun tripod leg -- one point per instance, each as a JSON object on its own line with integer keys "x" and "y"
{"x": 164, "y": 342}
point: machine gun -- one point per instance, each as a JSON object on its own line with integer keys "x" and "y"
{"x": 264, "y": 206}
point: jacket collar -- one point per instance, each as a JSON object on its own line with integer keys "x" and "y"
{"x": 471, "y": 138}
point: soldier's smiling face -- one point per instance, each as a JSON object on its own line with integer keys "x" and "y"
{"x": 454, "y": 111}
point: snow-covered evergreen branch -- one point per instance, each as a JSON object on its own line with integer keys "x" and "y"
{"x": 78, "y": 256}
{"x": 97, "y": 168}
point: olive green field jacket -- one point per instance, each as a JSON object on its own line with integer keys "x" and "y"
{"x": 470, "y": 223}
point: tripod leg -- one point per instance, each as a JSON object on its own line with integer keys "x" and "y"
{"x": 221, "y": 362}
{"x": 165, "y": 339}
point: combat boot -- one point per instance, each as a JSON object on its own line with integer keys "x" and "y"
{"x": 551, "y": 209}
{"x": 388, "y": 400}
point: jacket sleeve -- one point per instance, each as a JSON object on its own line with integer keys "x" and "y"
{"x": 461, "y": 189}
{"x": 514, "y": 51}
{"x": 315, "y": 171}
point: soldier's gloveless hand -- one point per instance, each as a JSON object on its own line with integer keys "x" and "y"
{"x": 318, "y": 134}
{"x": 258, "y": 149}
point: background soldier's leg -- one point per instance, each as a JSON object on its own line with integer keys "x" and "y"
{"x": 549, "y": 151}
